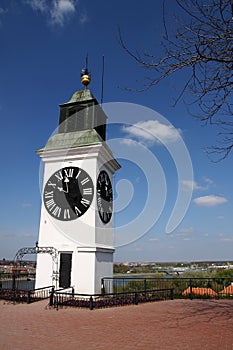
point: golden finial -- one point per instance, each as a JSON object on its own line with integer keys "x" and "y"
{"x": 85, "y": 75}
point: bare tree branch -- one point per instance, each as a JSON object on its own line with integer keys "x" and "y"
{"x": 202, "y": 43}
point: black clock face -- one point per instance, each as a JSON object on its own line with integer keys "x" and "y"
{"x": 104, "y": 197}
{"x": 68, "y": 193}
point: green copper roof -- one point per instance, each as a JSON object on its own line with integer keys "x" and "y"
{"x": 73, "y": 139}
{"x": 80, "y": 96}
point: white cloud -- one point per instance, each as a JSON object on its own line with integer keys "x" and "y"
{"x": 60, "y": 10}
{"x": 57, "y": 11}
{"x": 38, "y": 5}
{"x": 210, "y": 201}
{"x": 128, "y": 142}
{"x": 152, "y": 131}
{"x": 183, "y": 232}
{"x": 191, "y": 185}
{"x": 186, "y": 230}
{"x": 208, "y": 181}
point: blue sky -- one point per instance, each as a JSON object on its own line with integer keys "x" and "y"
{"x": 43, "y": 48}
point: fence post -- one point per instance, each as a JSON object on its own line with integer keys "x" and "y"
{"x": 191, "y": 289}
{"x": 51, "y": 297}
{"x": 102, "y": 286}
{"x": 136, "y": 298}
{"x": 172, "y": 293}
{"x": 145, "y": 288}
{"x": 29, "y": 297}
{"x": 13, "y": 281}
{"x": 91, "y": 306}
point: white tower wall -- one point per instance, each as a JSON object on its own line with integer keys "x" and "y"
{"x": 87, "y": 238}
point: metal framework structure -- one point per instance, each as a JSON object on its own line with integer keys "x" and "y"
{"x": 41, "y": 250}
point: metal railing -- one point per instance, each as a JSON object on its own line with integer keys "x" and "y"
{"x": 25, "y": 296}
{"x": 92, "y": 301}
{"x": 18, "y": 287}
{"x": 116, "y": 291}
{"x": 182, "y": 287}
{"x": 17, "y": 281}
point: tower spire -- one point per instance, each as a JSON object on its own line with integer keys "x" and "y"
{"x": 85, "y": 75}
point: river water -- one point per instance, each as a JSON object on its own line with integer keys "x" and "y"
{"x": 19, "y": 284}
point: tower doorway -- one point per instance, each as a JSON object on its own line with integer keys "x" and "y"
{"x": 65, "y": 270}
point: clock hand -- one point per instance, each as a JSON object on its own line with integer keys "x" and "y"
{"x": 61, "y": 188}
{"x": 66, "y": 181}
{"x": 106, "y": 191}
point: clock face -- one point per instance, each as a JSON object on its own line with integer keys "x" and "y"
{"x": 104, "y": 197}
{"x": 68, "y": 193}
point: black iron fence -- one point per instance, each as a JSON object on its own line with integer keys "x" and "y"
{"x": 64, "y": 299}
{"x": 17, "y": 281}
{"x": 182, "y": 287}
{"x": 116, "y": 291}
{"x": 25, "y": 296}
{"x": 21, "y": 288}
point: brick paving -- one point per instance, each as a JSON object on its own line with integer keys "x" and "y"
{"x": 173, "y": 324}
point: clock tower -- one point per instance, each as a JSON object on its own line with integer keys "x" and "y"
{"x": 76, "y": 223}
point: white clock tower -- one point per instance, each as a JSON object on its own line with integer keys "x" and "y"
{"x": 76, "y": 224}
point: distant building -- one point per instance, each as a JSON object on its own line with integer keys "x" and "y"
{"x": 18, "y": 269}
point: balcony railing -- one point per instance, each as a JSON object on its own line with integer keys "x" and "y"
{"x": 182, "y": 287}
{"x": 116, "y": 291}
{"x": 16, "y": 287}
{"x": 92, "y": 301}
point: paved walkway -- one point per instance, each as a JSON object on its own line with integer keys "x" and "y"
{"x": 174, "y": 324}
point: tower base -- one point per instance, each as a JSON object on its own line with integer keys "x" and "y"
{"x": 81, "y": 268}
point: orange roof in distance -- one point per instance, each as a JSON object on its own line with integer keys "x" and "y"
{"x": 227, "y": 291}
{"x": 200, "y": 291}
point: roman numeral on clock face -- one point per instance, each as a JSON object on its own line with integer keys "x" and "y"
{"x": 51, "y": 184}
{"x": 48, "y": 195}
{"x": 57, "y": 211}
{"x": 77, "y": 211}
{"x": 79, "y": 172}
{"x": 85, "y": 202}
{"x": 105, "y": 216}
{"x": 66, "y": 214}
{"x": 87, "y": 191}
{"x": 84, "y": 181}
{"x": 99, "y": 201}
{"x": 59, "y": 175}
{"x": 50, "y": 204}
{"x": 69, "y": 172}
